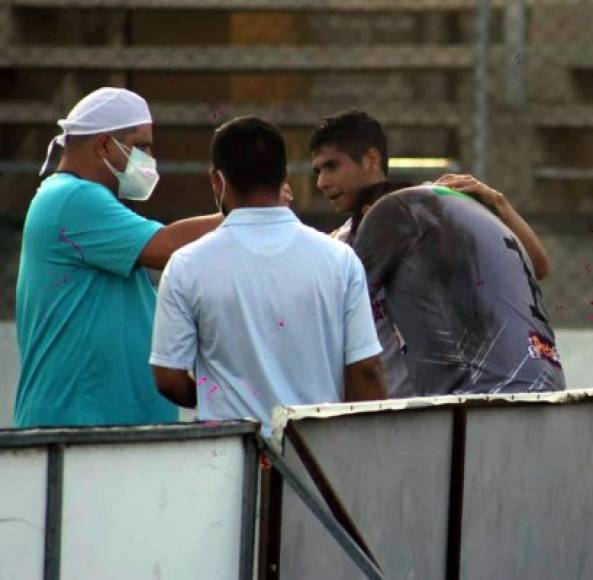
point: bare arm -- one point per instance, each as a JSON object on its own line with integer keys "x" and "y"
{"x": 176, "y": 385}
{"x": 364, "y": 380}
{"x": 498, "y": 202}
{"x": 158, "y": 250}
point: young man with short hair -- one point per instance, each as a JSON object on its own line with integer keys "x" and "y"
{"x": 264, "y": 311}
{"x": 441, "y": 268}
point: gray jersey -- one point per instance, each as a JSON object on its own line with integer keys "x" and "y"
{"x": 397, "y": 378}
{"x": 461, "y": 289}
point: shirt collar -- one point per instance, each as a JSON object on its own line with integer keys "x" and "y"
{"x": 259, "y": 215}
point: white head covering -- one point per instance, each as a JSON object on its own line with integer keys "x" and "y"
{"x": 104, "y": 110}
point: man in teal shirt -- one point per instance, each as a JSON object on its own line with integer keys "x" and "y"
{"x": 85, "y": 302}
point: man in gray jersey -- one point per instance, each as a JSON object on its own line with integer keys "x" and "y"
{"x": 467, "y": 310}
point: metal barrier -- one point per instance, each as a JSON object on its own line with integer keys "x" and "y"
{"x": 473, "y": 487}
{"x": 138, "y": 502}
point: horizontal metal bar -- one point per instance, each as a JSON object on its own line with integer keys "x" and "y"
{"x": 25, "y": 167}
{"x": 562, "y": 116}
{"x": 424, "y": 114}
{"x": 135, "y": 434}
{"x": 569, "y": 173}
{"x": 392, "y": 114}
{"x": 292, "y": 5}
{"x": 240, "y": 58}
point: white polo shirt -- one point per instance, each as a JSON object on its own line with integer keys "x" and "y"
{"x": 265, "y": 311}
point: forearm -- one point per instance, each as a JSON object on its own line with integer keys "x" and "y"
{"x": 526, "y": 235}
{"x": 158, "y": 250}
{"x": 365, "y": 381}
{"x": 185, "y": 231}
{"x": 498, "y": 203}
{"x": 184, "y": 397}
{"x": 176, "y": 386}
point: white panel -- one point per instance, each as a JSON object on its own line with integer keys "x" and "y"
{"x": 391, "y": 471}
{"x": 575, "y": 352}
{"x": 23, "y": 477}
{"x": 9, "y": 372}
{"x": 158, "y": 511}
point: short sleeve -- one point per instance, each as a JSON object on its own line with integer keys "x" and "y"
{"x": 107, "y": 234}
{"x": 360, "y": 335}
{"x": 175, "y": 333}
{"x": 385, "y": 234}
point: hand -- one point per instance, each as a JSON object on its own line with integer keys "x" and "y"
{"x": 470, "y": 185}
{"x": 286, "y": 195}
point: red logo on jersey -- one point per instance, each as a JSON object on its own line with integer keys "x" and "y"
{"x": 540, "y": 347}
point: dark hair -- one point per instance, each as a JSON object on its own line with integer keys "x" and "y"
{"x": 251, "y": 154}
{"x": 353, "y": 132}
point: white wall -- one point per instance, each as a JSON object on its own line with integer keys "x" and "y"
{"x": 8, "y": 371}
{"x": 576, "y": 353}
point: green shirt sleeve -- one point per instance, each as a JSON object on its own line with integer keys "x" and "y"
{"x": 103, "y": 231}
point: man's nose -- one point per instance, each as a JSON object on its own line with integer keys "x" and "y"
{"x": 322, "y": 183}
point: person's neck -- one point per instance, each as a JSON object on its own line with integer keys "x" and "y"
{"x": 258, "y": 200}
{"x": 368, "y": 195}
{"x": 81, "y": 170}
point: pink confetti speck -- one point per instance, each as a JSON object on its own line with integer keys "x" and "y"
{"x": 202, "y": 380}
{"x": 281, "y": 322}
{"x": 255, "y": 392}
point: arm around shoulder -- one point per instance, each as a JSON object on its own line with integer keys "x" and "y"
{"x": 499, "y": 204}
{"x": 167, "y": 240}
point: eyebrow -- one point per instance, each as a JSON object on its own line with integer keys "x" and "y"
{"x": 326, "y": 164}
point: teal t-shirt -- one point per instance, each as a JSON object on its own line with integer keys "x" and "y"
{"x": 85, "y": 311}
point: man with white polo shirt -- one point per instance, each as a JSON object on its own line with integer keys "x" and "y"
{"x": 264, "y": 311}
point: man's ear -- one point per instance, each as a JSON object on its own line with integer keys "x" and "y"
{"x": 100, "y": 145}
{"x": 215, "y": 180}
{"x": 372, "y": 160}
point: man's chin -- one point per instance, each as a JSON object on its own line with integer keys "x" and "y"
{"x": 343, "y": 208}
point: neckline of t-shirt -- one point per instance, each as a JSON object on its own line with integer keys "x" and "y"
{"x": 72, "y": 173}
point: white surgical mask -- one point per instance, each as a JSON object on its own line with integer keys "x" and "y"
{"x": 140, "y": 177}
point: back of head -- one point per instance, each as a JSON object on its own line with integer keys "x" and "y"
{"x": 251, "y": 154}
{"x": 353, "y": 132}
